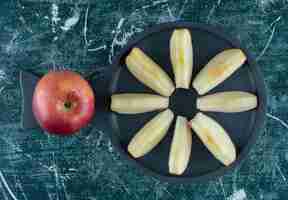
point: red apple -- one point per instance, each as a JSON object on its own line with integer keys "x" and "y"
{"x": 63, "y": 102}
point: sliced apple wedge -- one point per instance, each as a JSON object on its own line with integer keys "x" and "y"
{"x": 218, "y": 69}
{"x": 133, "y": 103}
{"x": 150, "y": 134}
{"x": 149, "y": 73}
{"x": 181, "y": 54}
{"x": 214, "y": 137}
{"x": 234, "y": 101}
{"x": 181, "y": 147}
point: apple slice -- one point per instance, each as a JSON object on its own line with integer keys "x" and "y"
{"x": 218, "y": 69}
{"x": 149, "y": 73}
{"x": 181, "y": 54}
{"x": 214, "y": 137}
{"x": 181, "y": 147}
{"x": 234, "y": 101}
{"x": 150, "y": 134}
{"x": 132, "y": 103}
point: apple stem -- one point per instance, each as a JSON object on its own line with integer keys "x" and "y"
{"x": 68, "y": 105}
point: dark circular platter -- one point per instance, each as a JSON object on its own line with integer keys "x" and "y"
{"x": 243, "y": 127}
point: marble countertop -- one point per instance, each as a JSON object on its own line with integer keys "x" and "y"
{"x": 39, "y": 35}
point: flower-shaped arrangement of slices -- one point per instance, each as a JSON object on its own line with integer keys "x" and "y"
{"x": 212, "y": 134}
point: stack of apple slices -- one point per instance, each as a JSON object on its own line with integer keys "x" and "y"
{"x": 210, "y": 132}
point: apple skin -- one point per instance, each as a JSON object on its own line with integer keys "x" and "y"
{"x": 63, "y": 102}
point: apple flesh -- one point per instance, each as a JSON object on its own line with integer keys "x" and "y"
{"x": 63, "y": 102}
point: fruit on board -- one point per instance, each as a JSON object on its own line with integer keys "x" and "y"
{"x": 218, "y": 69}
{"x": 180, "y": 149}
{"x": 149, "y": 73}
{"x": 63, "y": 102}
{"x": 150, "y": 134}
{"x": 214, "y": 137}
{"x": 181, "y": 55}
{"x": 133, "y": 103}
{"x": 232, "y": 101}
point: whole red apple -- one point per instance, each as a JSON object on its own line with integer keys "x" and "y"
{"x": 63, "y": 102}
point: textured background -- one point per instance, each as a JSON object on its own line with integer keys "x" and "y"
{"x": 84, "y": 35}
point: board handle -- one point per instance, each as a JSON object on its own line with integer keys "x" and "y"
{"x": 28, "y": 83}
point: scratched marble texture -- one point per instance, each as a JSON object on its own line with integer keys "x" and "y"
{"x": 84, "y": 35}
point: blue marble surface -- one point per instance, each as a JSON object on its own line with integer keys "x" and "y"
{"x": 39, "y": 35}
